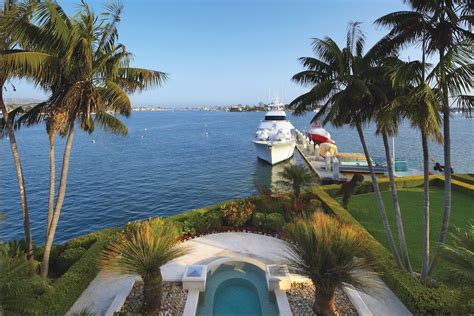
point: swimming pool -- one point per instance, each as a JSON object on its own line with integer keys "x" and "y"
{"x": 237, "y": 288}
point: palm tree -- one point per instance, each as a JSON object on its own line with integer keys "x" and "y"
{"x": 143, "y": 250}
{"x": 387, "y": 121}
{"x": 327, "y": 252}
{"x": 420, "y": 105}
{"x": 6, "y": 127}
{"x": 295, "y": 177}
{"x": 340, "y": 81}
{"x": 88, "y": 75}
{"x": 440, "y": 25}
{"x": 460, "y": 253}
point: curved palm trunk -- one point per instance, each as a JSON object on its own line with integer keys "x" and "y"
{"x": 324, "y": 302}
{"x": 52, "y": 181}
{"x": 396, "y": 205}
{"x": 447, "y": 162}
{"x": 426, "y": 208}
{"x": 59, "y": 202}
{"x": 152, "y": 294}
{"x": 378, "y": 195}
{"x": 20, "y": 177}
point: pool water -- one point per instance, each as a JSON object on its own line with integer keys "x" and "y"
{"x": 237, "y": 289}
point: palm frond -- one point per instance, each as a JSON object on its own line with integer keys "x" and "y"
{"x": 110, "y": 123}
{"x": 139, "y": 79}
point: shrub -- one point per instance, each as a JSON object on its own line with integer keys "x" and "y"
{"x": 275, "y": 221}
{"x": 237, "y": 213}
{"x": 71, "y": 284}
{"x": 68, "y": 257}
{"x": 258, "y": 219}
{"x": 82, "y": 241}
{"x": 214, "y": 218}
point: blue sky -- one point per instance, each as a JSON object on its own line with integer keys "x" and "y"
{"x": 220, "y": 52}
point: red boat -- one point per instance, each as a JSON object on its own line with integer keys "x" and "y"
{"x": 319, "y": 135}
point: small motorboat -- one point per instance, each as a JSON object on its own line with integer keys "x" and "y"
{"x": 319, "y": 135}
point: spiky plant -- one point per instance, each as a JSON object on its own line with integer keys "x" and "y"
{"x": 20, "y": 287}
{"x": 326, "y": 251}
{"x": 143, "y": 249}
{"x": 460, "y": 253}
{"x": 295, "y": 177}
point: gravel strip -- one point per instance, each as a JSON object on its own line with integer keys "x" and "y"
{"x": 301, "y": 298}
{"x": 174, "y": 299}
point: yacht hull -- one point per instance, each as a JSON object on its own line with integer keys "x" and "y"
{"x": 274, "y": 153}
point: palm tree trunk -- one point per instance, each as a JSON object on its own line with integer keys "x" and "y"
{"x": 324, "y": 302}
{"x": 396, "y": 205}
{"x": 52, "y": 180}
{"x": 378, "y": 195}
{"x": 447, "y": 162}
{"x": 59, "y": 202}
{"x": 20, "y": 176}
{"x": 426, "y": 208}
{"x": 152, "y": 294}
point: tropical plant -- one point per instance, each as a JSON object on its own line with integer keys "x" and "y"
{"x": 238, "y": 212}
{"x": 20, "y": 287}
{"x": 295, "y": 177}
{"x": 329, "y": 253}
{"x": 420, "y": 105}
{"x": 441, "y": 26}
{"x": 343, "y": 83}
{"x": 460, "y": 253}
{"x": 7, "y": 128}
{"x": 143, "y": 249}
{"x": 79, "y": 60}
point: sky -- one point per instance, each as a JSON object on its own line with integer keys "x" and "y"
{"x": 224, "y": 52}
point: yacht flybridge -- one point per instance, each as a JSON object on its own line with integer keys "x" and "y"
{"x": 275, "y": 139}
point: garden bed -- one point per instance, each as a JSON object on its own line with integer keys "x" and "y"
{"x": 174, "y": 299}
{"x": 301, "y": 298}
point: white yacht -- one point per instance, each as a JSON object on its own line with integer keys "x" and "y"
{"x": 275, "y": 138}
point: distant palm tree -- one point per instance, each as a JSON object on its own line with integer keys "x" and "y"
{"x": 143, "y": 250}
{"x": 460, "y": 253}
{"x": 295, "y": 177}
{"x": 441, "y": 26}
{"x": 79, "y": 60}
{"x": 329, "y": 253}
{"x": 341, "y": 81}
{"x": 7, "y": 126}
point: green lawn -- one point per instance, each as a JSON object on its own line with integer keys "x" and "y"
{"x": 364, "y": 208}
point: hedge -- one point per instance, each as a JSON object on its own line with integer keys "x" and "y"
{"x": 456, "y": 185}
{"x": 464, "y": 177}
{"x": 67, "y": 289}
{"x": 418, "y": 298}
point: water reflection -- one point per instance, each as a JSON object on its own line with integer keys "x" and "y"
{"x": 267, "y": 176}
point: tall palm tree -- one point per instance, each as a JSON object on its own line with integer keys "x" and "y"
{"x": 440, "y": 25}
{"x": 329, "y": 253}
{"x": 387, "y": 121}
{"x": 295, "y": 177}
{"x": 6, "y": 127}
{"x": 88, "y": 75}
{"x": 143, "y": 250}
{"x": 339, "y": 80}
{"x": 420, "y": 104}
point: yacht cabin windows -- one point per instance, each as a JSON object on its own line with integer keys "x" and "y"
{"x": 275, "y": 118}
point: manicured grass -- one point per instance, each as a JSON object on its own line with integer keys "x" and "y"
{"x": 364, "y": 208}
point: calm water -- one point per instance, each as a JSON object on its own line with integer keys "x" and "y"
{"x": 169, "y": 163}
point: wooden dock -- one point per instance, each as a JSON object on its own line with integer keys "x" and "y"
{"x": 318, "y": 166}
